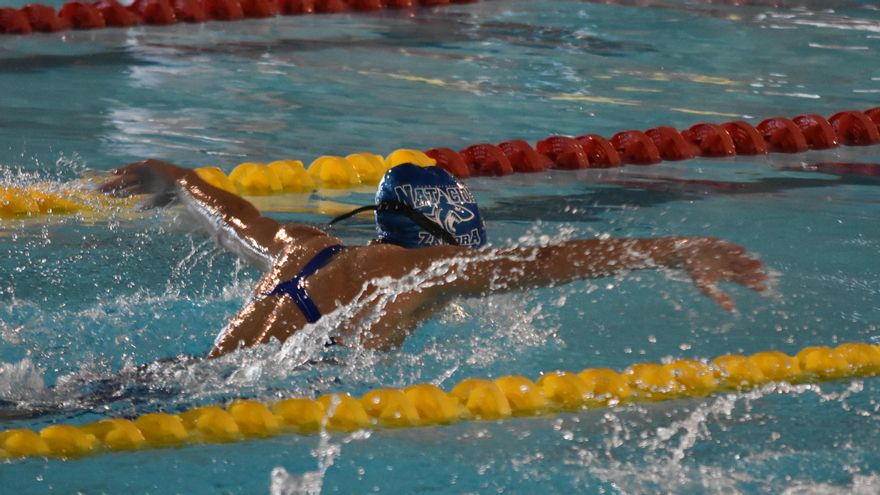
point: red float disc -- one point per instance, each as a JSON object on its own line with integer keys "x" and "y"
{"x": 746, "y": 139}
{"x": 296, "y": 7}
{"x": 711, "y": 139}
{"x": 782, "y": 135}
{"x": 259, "y": 8}
{"x": 450, "y": 161}
{"x": 486, "y": 159}
{"x": 872, "y": 113}
{"x": 399, "y": 4}
{"x": 635, "y": 147}
{"x": 330, "y": 6}
{"x": 366, "y": 5}
{"x": 855, "y": 128}
{"x": 817, "y": 131}
{"x": 157, "y": 12}
{"x": 599, "y": 151}
{"x": 116, "y": 15}
{"x": 564, "y": 152}
{"x": 14, "y": 21}
{"x": 190, "y": 11}
{"x": 224, "y": 10}
{"x": 523, "y": 158}
{"x": 44, "y": 18}
{"x": 671, "y": 144}
{"x": 82, "y": 15}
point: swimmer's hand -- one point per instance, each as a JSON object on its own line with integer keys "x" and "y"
{"x": 153, "y": 177}
{"x": 708, "y": 260}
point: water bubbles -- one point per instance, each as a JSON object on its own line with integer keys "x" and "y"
{"x": 11, "y": 334}
{"x": 283, "y": 483}
{"x": 536, "y": 235}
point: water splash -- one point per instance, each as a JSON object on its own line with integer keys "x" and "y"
{"x": 668, "y": 447}
{"x": 22, "y": 381}
{"x": 283, "y": 483}
{"x": 326, "y": 453}
{"x": 861, "y": 485}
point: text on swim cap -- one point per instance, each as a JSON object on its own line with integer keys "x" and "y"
{"x": 420, "y": 196}
{"x": 469, "y": 239}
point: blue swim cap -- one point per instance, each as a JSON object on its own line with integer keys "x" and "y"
{"x": 437, "y": 195}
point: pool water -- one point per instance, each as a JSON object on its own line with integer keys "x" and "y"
{"x": 85, "y": 300}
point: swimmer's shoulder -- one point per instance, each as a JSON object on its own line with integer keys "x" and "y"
{"x": 298, "y": 232}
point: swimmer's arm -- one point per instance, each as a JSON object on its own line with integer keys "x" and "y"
{"x": 706, "y": 260}
{"x": 236, "y": 224}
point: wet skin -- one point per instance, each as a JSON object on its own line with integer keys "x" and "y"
{"x": 358, "y": 273}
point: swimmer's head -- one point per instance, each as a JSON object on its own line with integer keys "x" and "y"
{"x": 425, "y": 206}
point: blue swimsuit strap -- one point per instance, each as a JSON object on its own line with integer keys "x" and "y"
{"x": 295, "y": 287}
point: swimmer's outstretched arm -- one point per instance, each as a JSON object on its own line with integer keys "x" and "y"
{"x": 236, "y": 224}
{"x": 706, "y": 260}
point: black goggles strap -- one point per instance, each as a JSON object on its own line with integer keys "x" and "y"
{"x": 416, "y": 216}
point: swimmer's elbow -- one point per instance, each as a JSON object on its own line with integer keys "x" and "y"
{"x": 215, "y": 352}
{"x": 527, "y": 268}
{"x": 383, "y": 340}
{"x": 240, "y": 240}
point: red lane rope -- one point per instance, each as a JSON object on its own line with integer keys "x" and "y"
{"x": 110, "y": 13}
{"x": 633, "y": 147}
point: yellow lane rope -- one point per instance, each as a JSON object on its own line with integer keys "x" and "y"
{"x": 45, "y": 199}
{"x": 247, "y": 179}
{"x": 426, "y": 404}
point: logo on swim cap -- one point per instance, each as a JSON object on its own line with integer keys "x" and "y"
{"x": 438, "y": 196}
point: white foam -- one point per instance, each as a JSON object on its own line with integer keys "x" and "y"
{"x": 861, "y": 485}
{"x": 22, "y": 382}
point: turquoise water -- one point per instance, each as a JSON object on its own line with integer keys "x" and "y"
{"x": 86, "y": 300}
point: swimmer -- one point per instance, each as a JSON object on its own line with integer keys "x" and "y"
{"x": 427, "y": 223}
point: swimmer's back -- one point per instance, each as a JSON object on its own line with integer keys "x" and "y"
{"x": 338, "y": 283}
